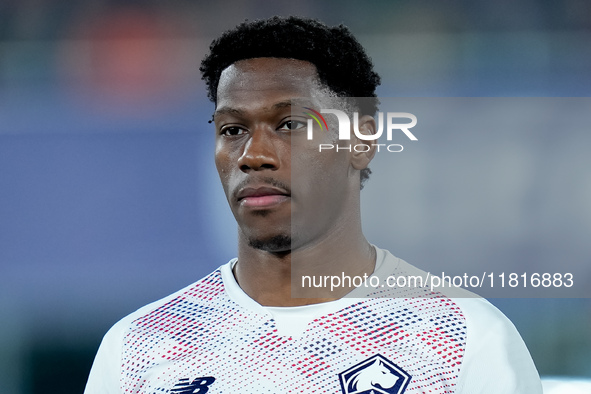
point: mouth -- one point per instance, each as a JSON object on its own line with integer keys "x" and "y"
{"x": 261, "y": 197}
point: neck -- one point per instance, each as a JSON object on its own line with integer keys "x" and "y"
{"x": 275, "y": 279}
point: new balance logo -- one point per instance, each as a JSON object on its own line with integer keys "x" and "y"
{"x": 196, "y": 386}
{"x": 376, "y": 375}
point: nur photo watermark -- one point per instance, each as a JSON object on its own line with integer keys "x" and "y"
{"x": 483, "y": 194}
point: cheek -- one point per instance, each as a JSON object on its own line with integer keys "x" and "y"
{"x": 320, "y": 175}
{"x": 219, "y": 160}
{"x": 222, "y": 164}
{"x": 222, "y": 156}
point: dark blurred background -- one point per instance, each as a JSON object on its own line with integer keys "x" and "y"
{"x": 108, "y": 195}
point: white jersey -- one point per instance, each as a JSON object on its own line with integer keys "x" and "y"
{"x": 212, "y": 338}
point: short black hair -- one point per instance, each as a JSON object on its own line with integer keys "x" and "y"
{"x": 341, "y": 62}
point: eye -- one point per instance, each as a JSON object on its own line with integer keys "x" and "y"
{"x": 232, "y": 131}
{"x": 292, "y": 125}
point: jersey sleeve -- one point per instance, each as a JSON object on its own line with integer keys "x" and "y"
{"x": 105, "y": 374}
{"x": 496, "y": 359}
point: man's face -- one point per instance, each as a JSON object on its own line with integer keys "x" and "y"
{"x": 283, "y": 193}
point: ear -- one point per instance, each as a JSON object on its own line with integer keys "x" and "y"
{"x": 361, "y": 160}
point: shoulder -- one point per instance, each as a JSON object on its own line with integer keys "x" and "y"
{"x": 106, "y": 369}
{"x": 495, "y": 358}
{"x": 204, "y": 289}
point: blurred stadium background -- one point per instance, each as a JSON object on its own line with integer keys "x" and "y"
{"x": 108, "y": 194}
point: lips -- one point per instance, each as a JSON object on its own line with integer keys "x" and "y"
{"x": 261, "y": 196}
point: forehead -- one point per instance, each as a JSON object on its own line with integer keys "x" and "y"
{"x": 261, "y": 82}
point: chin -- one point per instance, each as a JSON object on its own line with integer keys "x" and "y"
{"x": 276, "y": 244}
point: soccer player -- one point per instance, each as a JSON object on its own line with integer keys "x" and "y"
{"x": 240, "y": 330}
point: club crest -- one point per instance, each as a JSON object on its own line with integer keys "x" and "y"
{"x": 376, "y": 375}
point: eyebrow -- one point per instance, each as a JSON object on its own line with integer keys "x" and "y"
{"x": 238, "y": 111}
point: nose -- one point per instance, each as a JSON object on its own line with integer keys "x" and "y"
{"x": 259, "y": 152}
